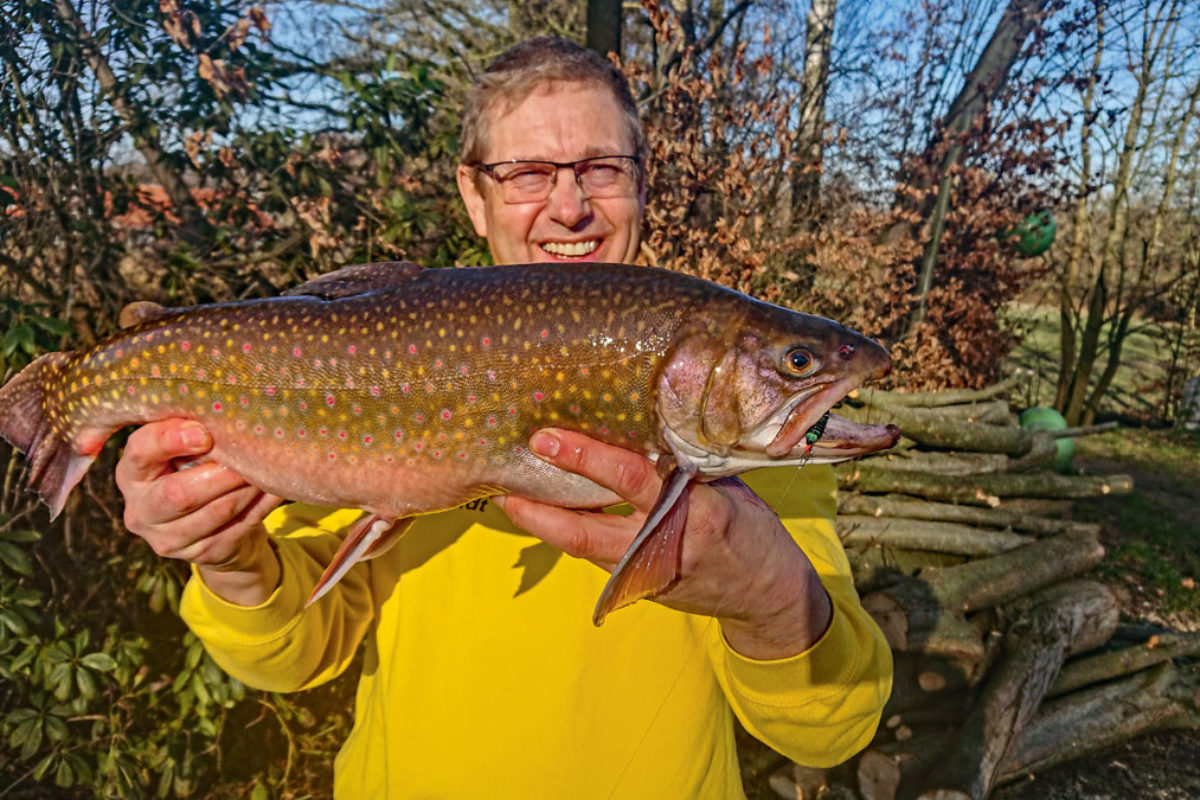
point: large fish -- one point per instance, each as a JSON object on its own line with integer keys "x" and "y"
{"x": 403, "y": 391}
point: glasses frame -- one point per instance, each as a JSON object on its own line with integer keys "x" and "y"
{"x": 489, "y": 170}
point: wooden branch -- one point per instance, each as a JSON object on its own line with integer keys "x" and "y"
{"x": 926, "y": 613}
{"x": 979, "y": 490}
{"x": 928, "y": 427}
{"x": 910, "y": 508}
{"x": 942, "y": 463}
{"x": 945, "y": 397}
{"x": 1126, "y": 661}
{"x": 938, "y": 537}
{"x": 1085, "y": 722}
{"x": 1054, "y": 622}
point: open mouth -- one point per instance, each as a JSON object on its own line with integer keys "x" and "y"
{"x": 835, "y": 437}
{"x": 571, "y": 249}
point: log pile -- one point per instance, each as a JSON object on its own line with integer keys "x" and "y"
{"x": 1007, "y": 661}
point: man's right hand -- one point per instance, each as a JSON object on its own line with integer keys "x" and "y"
{"x": 204, "y": 513}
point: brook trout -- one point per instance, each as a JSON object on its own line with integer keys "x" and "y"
{"x": 404, "y": 391}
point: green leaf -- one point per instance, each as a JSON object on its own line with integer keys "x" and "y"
{"x": 43, "y": 766}
{"x": 53, "y": 326}
{"x": 101, "y": 662}
{"x": 14, "y": 622}
{"x": 56, "y": 728}
{"x": 15, "y": 559}
{"x": 64, "y": 776}
{"x": 86, "y": 682}
{"x": 24, "y": 536}
{"x": 259, "y": 792}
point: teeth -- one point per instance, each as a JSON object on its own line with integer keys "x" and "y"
{"x": 571, "y": 249}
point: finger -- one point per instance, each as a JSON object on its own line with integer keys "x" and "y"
{"x": 222, "y": 548}
{"x": 151, "y": 448}
{"x": 185, "y": 537}
{"x": 598, "y": 537}
{"x": 191, "y": 489}
{"x": 628, "y": 474}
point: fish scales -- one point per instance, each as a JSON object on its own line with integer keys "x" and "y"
{"x": 405, "y": 391}
{"x": 446, "y": 379}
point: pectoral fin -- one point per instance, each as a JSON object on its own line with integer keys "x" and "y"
{"x": 651, "y": 564}
{"x": 371, "y": 536}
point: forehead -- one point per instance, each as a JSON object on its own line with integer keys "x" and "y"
{"x": 559, "y": 122}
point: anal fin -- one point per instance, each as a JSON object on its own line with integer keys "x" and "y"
{"x": 369, "y": 537}
{"x": 651, "y": 565}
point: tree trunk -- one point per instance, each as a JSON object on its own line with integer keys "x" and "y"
{"x": 806, "y": 182}
{"x": 604, "y": 26}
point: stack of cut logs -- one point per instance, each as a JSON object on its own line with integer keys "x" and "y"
{"x": 1006, "y": 660}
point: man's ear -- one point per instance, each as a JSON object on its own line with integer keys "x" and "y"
{"x": 472, "y": 198}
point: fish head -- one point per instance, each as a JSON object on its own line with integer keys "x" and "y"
{"x": 748, "y": 391}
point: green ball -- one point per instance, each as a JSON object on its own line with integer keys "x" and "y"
{"x": 1034, "y": 234}
{"x": 1041, "y": 418}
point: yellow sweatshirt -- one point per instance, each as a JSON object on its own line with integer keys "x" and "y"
{"x": 484, "y": 676}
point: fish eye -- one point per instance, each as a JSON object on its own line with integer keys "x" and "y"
{"x": 799, "y": 361}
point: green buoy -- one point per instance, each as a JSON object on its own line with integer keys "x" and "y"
{"x": 1042, "y": 418}
{"x": 1033, "y": 235}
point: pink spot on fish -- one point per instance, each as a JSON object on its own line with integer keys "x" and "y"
{"x": 405, "y": 388}
{"x": 419, "y": 417}
{"x": 471, "y": 398}
{"x": 328, "y": 399}
{"x": 245, "y": 347}
{"x": 357, "y": 409}
{"x": 376, "y": 391}
{"x": 245, "y": 401}
{"x": 491, "y": 375}
{"x": 324, "y": 431}
{"x": 420, "y": 445}
{"x": 316, "y": 362}
{"x": 445, "y": 413}
{"x": 183, "y": 389}
{"x": 538, "y": 397}
{"x": 303, "y": 406}
{"x": 399, "y": 434}
{"x": 201, "y": 374}
{"x": 258, "y": 428}
{"x": 412, "y": 349}
{"x": 299, "y": 381}
{"x": 296, "y": 352}
{"x": 512, "y": 411}
{"x": 366, "y": 440}
{"x": 121, "y": 352}
{"x": 270, "y": 390}
{"x": 351, "y": 349}
{"x": 279, "y": 432}
{"x": 462, "y": 370}
{"x": 216, "y": 353}
{"x": 341, "y": 434}
{"x": 492, "y": 422}
{"x": 544, "y": 333}
{"x": 462, "y": 456}
{"x": 349, "y": 383}
{"x": 184, "y": 346}
{"x": 332, "y": 456}
{"x": 155, "y": 371}
{"x": 302, "y": 433}
{"x": 258, "y": 367}
{"x": 132, "y": 390}
{"x": 216, "y": 406}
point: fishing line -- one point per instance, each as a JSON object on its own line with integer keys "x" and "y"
{"x": 702, "y": 633}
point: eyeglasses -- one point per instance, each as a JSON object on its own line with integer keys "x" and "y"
{"x": 531, "y": 181}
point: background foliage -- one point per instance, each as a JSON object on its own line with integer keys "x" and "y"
{"x": 187, "y": 151}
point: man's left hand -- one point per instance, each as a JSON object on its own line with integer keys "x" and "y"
{"x": 739, "y": 563}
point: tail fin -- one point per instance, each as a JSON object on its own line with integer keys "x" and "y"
{"x": 55, "y": 466}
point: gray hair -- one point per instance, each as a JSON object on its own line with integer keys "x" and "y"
{"x": 534, "y": 63}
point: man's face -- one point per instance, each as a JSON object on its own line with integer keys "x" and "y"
{"x": 560, "y": 122}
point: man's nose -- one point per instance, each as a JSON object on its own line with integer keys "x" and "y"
{"x": 568, "y": 203}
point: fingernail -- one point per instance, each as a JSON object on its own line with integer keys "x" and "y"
{"x": 195, "y": 437}
{"x": 544, "y": 444}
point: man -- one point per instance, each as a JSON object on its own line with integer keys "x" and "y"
{"x": 483, "y": 674}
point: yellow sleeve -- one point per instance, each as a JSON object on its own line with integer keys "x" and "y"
{"x": 822, "y": 706}
{"x": 280, "y": 646}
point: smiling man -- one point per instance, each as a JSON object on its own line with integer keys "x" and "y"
{"x": 482, "y": 672}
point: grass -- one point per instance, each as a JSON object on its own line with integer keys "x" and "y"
{"x": 1133, "y": 391}
{"x": 1152, "y": 533}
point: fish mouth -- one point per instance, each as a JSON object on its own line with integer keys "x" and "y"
{"x": 841, "y": 439}
{"x": 838, "y": 438}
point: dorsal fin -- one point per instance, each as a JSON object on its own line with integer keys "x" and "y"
{"x": 141, "y": 311}
{"x": 358, "y": 279}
